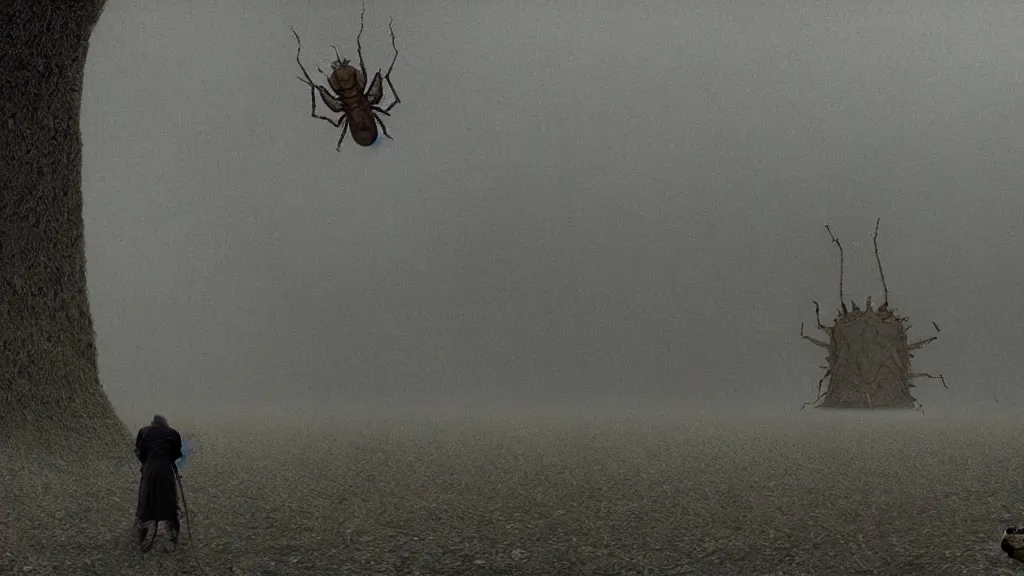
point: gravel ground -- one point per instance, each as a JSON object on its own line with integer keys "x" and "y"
{"x": 817, "y": 494}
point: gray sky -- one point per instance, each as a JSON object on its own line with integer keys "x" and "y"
{"x": 599, "y": 202}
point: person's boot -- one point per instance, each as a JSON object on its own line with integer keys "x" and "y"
{"x": 173, "y": 531}
{"x": 144, "y": 530}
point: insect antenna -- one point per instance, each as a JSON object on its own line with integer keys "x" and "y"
{"x": 387, "y": 76}
{"x": 390, "y": 22}
{"x": 298, "y": 51}
{"x": 359, "y": 44}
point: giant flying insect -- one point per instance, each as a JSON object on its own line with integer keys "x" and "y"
{"x": 359, "y": 109}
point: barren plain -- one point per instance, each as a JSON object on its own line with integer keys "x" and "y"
{"x": 812, "y": 492}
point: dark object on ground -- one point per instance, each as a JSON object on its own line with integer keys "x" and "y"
{"x": 1013, "y": 543}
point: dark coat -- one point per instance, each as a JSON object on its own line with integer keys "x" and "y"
{"x": 157, "y": 448}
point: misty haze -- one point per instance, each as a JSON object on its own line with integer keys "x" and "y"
{"x": 553, "y": 325}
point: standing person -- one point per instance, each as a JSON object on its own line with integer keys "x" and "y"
{"x": 157, "y": 446}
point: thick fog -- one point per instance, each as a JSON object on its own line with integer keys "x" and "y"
{"x": 584, "y": 204}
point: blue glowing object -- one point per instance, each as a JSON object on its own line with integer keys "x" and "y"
{"x": 186, "y": 453}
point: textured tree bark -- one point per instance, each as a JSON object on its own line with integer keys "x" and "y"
{"x": 868, "y": 353}
{"x": 869, "y": 359}
{"x": 49, "y": 385}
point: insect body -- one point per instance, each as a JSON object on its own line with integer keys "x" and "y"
{"x": 358, "y": 105}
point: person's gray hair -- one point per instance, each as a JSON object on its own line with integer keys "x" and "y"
{"x": 159, "y": 420}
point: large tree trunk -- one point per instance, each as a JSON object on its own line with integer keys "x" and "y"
{"x": 49, "y": 386}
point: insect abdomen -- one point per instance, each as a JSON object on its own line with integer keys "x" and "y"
{"x": 363, "y": 126}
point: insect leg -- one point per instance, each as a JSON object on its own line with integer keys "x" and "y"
{"x": 333, "y": 103}
{"x": 297, "y": 52}
{"x": 383, "y": 128}
{"x": 359, "y": 44}
{"x": 344, "y": 121}
{"x": 387, "y": 76}
{"x": 312, "y": 98}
